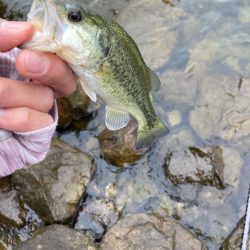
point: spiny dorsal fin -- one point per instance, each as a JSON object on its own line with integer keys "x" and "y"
{"x": 116, "y": 119}
{"x": 154, "y": 80}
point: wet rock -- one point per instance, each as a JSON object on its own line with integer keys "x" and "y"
{"x": 208, "y": 166}
{"x": 57, "y": 237}
{"x": 10, "y": 212}
{"x": 54, "y": 187}
{"x": 234, "y": 240}
{"x": 142, "y": 231}
{"x": 96, "y": 218}
{"x": 117, "y": 147}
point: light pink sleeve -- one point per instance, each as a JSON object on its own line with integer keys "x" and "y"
{"x": 17, "y": 150}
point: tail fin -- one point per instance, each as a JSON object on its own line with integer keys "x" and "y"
{"x": 146, "y": 137}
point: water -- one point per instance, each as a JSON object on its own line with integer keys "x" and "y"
{"x": 200, "y": 50}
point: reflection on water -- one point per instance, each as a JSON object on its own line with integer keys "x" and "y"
{"x": 201, "y": 51}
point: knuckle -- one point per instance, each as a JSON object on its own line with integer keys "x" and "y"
{"x": 49, "y": 99}
{"x": 4, "y": 90}
{"x": 25, "y": 117}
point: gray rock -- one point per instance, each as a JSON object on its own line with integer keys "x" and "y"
{"x": 10, "y": 212}
{"x": 54, "y": 187}
{"x": 57, "y": 237}
{"x": 149, "y": 232}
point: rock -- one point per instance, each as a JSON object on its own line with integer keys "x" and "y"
{"x": 208, "y": 166}
{"x": 234, "y": 240}
{"x": 143, "y": 231}
{"x": 194, "y": 165}
{"x": 10, "y": 212}
{"x": 54, "y": 187}
{"x": 117, "y": 147}
{"x": 57, "y": 237}
{"x": 96, "y": 218}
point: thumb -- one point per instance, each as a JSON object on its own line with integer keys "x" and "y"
{"x": 13, "y": 33}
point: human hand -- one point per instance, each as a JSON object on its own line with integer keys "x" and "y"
{"x": 25, "y": 107}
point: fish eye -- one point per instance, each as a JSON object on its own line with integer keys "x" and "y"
{"x": 75, "y": 16}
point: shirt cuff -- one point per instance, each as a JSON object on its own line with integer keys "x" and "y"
{"x": 20, "y": 149}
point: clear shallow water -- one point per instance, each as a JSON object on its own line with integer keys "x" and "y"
{"x": 201, "y": 53}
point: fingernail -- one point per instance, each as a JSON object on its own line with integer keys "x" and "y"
{"x": 35, "y": 63}
{"x": 14, "y": 26}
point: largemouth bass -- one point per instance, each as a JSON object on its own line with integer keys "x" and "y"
{"x": 105, "y": 60}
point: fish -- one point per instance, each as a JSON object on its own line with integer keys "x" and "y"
{"x": 105, "y": 60}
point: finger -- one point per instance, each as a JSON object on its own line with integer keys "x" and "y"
{"x": 12, "y": 34}
{"x": 48, "y": 69}
{"x": 18, "y": 94}
{"x": 24, "y": 119}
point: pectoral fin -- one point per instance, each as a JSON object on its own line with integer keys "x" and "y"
{"x": 116, "y": 119}
{"x": 154, "y": 80}
{"x": 90, "y": 93}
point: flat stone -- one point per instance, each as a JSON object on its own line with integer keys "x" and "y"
{"x": 57, "y": 237}
{"x": 146, "y": 232}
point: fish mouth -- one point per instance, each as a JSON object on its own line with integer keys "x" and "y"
{"x": 47, "y": 26}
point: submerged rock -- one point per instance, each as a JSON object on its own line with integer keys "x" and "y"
{"x": 54, "y": 187}
{"x": 57, "y": 237}
{"x": 96, "y": 218}
{"x": 143, "y": 231}
{"x": 208, "y": 166}
{"x": 117, "y": 147}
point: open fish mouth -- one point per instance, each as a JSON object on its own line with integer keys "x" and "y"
{"x": 47, "y": 24}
